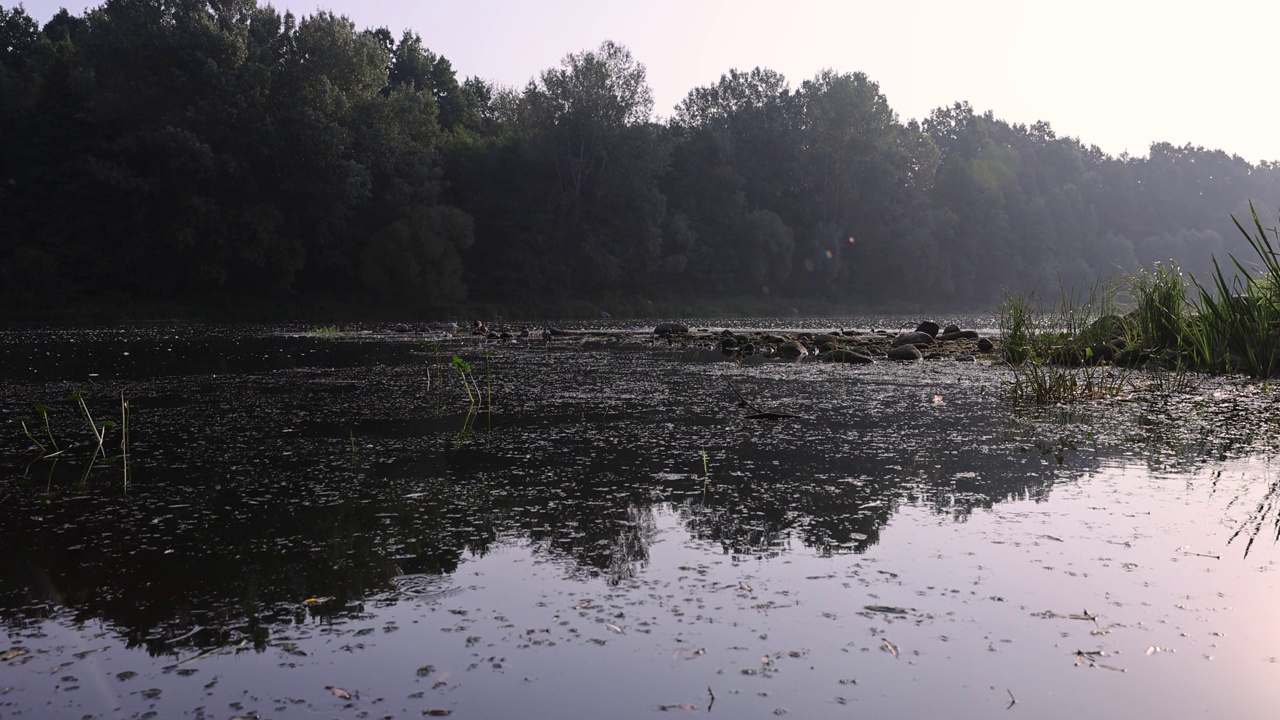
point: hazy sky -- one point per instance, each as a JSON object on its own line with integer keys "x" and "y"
{"x": 1119, "y": 74}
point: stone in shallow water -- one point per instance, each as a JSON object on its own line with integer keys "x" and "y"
{"x": 905, "y": 352}
{"x": 846, "y": 356}
{"x": 913, "y": 338}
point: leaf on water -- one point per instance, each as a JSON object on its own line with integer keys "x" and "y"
{"x": 678, "y": 706}
{"x": 12, "y": 653}
{"x": 426, "y": 670}
{"x": 338, "y": 692}
{"x": 742, "y": 585}
{"x": 582, "y": 605}
{"x": 437, "y": 712}
{"x": 766, "y": 660}
{"x": 614, "y": 628}
{"x": 890, "y": 646}
{"x": 887, "y": 609}
{"x": 1107, "y": 667}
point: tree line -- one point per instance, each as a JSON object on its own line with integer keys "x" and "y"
{"x": 191, "y": 152}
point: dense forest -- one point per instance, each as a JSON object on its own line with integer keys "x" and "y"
{"x": 217, "y": 153}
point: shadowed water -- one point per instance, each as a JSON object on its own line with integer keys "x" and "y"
{"x": 615, "y": 536}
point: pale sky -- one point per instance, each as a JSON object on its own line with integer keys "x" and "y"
{"x": 1120, "y": 74}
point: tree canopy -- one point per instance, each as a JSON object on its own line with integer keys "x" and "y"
{"x": 184, "y": 152}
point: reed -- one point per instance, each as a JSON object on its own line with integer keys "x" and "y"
{"x": 1240, "y": 317}
{"x": 126, "y": 411}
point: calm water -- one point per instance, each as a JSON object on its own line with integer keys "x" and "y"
{"x": 616, "y": 538}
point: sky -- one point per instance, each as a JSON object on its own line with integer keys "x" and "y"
{"x": 1119, "y": 74}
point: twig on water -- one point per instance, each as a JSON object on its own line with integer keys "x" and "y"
{"x": 759, "y": 414}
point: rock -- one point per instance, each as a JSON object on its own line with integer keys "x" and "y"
{"x": 950, "y": 329}
{"x": 966, "y": 357}
{"x": 905, "y": 352}
{"x": 729, "y": 344}
{"x": 400, "y": 327}
{"x": 1101, "y": 352}
{"x": 826, "y": 342}
{"x": 985, "y": 345}
{"x": 958, "y": 335}
{"x": 775, "y": 339}
{"x": 1108, "y": 326}
{"x": 928, "y": 326}
{"x": 667, "y": 329}
{"x": 913, "y": 338}
{"x": 846, "y": 356}
{"x": 935, "y": 355}
{"x": 793, "y": 350}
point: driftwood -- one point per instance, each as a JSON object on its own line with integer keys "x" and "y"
{"x": 759, "y": 414}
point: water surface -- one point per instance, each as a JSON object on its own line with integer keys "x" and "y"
{"x": 616, "y": 537}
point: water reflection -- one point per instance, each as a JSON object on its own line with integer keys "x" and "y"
{"x": 295, "y": 479}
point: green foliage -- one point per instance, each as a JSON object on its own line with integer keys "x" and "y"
{"x": 1162, "y": 309}
{"x": 174, "y": 154}
{"x": 1057, "y": 354}
{"x": 1240, "y": 317}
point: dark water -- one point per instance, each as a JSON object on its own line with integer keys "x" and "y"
{"x": 616, "y": 537}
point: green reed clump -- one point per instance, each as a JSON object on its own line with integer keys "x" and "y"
{"x": 1162, "y": 318}
{"x": 1057, "y": 353}
{"x": 1239, "y": 320}
{"x": 326, "y": 330}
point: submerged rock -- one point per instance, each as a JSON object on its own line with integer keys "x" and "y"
{"x": 793, "y": 350}
{"x": 846, "y": 356}
{"x": 667, "y": 329}
{"x": 985, "y": 345}
{"x": 959, "y": 335}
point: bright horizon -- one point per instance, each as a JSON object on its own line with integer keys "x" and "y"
{"x": 1119, "y": 75}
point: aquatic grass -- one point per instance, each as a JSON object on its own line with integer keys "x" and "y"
{"x": 706, "y": 475}
{"x": 1167, "y": 381}
{"x": 435, "y": 383}
{"x": 126, "y": 410}
{"x": 1052, "y": 352}
{"x": 488, "y": 380}
{"x": 1045, "y": 383}
{"x": 1241, "y": 317}
{"x": 1161, "y": 318}
{"x": 43, "y": 411}
{"x": 326, "y": 330}
{"x": 1015, "y": 319}
{"x": 463, "y": 368}
{"x": 99, "y": 434}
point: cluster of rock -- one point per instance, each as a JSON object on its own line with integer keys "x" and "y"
{"x": 928, "y": 341}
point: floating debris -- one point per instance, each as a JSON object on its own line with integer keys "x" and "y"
{"x": 889, "y": 646}
{"x": 338, "y": 692}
